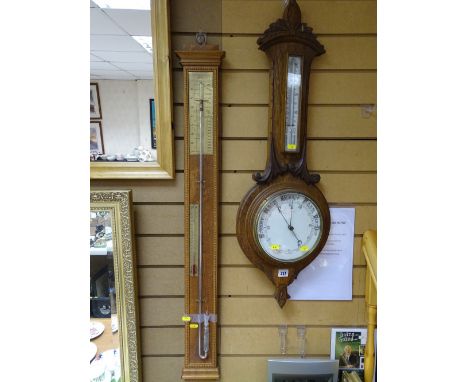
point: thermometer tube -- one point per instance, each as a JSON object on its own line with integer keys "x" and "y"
{"x": 293, "y": 99}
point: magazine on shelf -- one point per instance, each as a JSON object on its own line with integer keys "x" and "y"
{"x": 348, "y": 346}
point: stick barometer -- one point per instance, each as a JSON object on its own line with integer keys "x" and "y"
{"x": 201, "y": 97}
{"x": 284, "y": 220}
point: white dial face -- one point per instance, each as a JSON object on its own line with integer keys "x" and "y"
{"x": 289, "y": 226}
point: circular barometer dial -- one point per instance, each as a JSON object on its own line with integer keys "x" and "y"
{"x": 289, "y": 226}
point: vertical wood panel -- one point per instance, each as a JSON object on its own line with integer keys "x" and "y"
{"x": 323, "y": 122}
{"x": 339, "y": 188}
{"x": 343, "y": 52}
{"x": 252, "y": 281}
{"x": 160, "y": 250}
{"x": 161, "y": 311}
{"x": 321, "y": 155}
{"x": 161, "y": 281}
{"x": 252, "y": 369}
{"x": 265, "y": 311}
{"x": 246, "y": 16}
{"x": 195, "y": 15}
{"x": 162, "y": 369}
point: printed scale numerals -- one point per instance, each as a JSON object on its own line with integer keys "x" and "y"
{"x": 294, "y": 213}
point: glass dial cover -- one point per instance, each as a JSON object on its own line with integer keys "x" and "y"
{"x": 289, "y": 226}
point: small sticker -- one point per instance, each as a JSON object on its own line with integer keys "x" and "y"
{"x": 193, "y": 326}
{"x": 304, "y": 248}
{"x": 186, "y": 318}
{"x": 291, "y": 146}
{"x": 283, "y": 272}
{"x": 275, "y": 246}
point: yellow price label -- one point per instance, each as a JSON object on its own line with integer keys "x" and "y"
{"x": 304, "y": 248}
{"x": 193, "y": 326}
{"x": 291, "y": 146}
{"x": 275, "y": 246}
{"x": 186, "y": 318}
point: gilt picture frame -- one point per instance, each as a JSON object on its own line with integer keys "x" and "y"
{"x": 96, "y": 144}
{"x": 119, "y": 205}
{"x": 95, "y": 102}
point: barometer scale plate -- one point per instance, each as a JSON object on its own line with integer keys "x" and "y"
{"x": 201, "y": 211}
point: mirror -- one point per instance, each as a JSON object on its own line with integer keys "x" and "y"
{"x": 131, "y": 134}
{"x": 114, "y": 337}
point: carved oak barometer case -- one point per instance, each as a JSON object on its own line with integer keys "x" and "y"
{"x": 284, "y": 220}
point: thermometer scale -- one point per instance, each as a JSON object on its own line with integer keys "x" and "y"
{"x": 201, "y": 143}
{"x": 201, "y": 71}
{"x": 293, "y": 103}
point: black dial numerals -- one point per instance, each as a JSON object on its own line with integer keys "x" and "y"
{"x": 288, "y": 226}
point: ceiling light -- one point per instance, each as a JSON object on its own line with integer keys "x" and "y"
{"x": 145, "y": 41}
{"x": 124, "y": 4}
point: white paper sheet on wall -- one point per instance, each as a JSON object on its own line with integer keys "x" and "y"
{"x": 330, "y": 275}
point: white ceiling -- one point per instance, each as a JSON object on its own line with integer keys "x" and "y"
{"x": 114, "y": 52}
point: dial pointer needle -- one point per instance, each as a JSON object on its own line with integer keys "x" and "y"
{"x": 276, "y": 204}
{"x": 299, "y": 242}
{"x": 290, "y": 218}
{"x": 290, "y": 227}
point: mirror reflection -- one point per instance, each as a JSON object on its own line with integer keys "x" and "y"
{"x": 104, "y": 324}
{"x": 123, "y": 126}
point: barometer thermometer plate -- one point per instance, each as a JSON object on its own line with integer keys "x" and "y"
{"x": 201, "y": 88}
{"x": 200, "y": 100}
{"x": 293, "y": 103}
{"x": 201, "y": 71}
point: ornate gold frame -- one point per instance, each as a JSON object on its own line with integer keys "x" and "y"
{"x": 164, "y": 167}
{"x": 119, "y": 205}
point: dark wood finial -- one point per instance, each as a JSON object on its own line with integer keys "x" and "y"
{"x": 290, "y": 28}
{"x": 281, "y": 295}
{"x": 292, "y": 13}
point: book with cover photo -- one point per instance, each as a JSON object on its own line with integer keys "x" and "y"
{"x": 348, "y": 346}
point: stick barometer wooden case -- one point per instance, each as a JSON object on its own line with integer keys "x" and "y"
{"x": 201, "y": 98}
{"x": 284, "y": 220}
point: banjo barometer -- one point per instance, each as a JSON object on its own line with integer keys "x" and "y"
{"x": 284, "y": 220}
